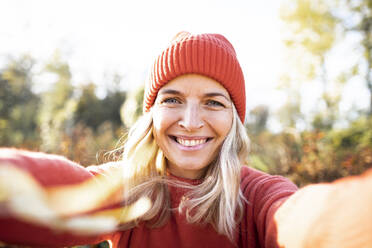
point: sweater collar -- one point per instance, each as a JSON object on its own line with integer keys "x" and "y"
{"x": 185, "y": 180}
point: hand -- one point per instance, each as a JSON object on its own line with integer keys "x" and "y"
{"x": 328, "y": 215}
{"x": 66, "y": 208}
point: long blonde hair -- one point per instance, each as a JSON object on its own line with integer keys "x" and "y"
{"x": 219, "y": 203}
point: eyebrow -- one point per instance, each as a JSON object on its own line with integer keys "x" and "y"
{"x": 170, "y": 91}
{"x": 211, "y": 94}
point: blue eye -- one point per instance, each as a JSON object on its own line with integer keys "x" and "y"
{"x": 214, "y": 103}
{"x": 171, "y": 100}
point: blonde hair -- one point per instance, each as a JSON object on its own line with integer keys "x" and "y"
{"x": 219, "y": 203}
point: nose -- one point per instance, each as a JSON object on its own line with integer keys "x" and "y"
{"x": 191, "y": 118}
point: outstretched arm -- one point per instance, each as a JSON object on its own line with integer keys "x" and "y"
{"x": 338, "y": 214}
{"x": 47, "y": 200}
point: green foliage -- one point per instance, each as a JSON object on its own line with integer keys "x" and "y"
{"x": 257, "y": 119}
{"x": 58, "y": 120}
{"x": 256, "y": 162}
{"x": 355, "y": 139}
{"x": 92, "y": 111}
{"x": 312, "y": 24}
{"x": 312, "y": 32}
{"x": 315, "y": 156}
{"x": 18, "y": 104}
{"x": 78, "y": 126}
{"x": 313, "y": 29}
{"x": 57, "y": 108}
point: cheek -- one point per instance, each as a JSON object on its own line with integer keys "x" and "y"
{"x": 162, "y": 120}
{"x": 222, "y": 123}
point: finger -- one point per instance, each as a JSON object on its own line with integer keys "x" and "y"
{"x": 28, "y": 201}
{"x": 84, "y": 197}
{"x": 107, "y": 220}
{"x": 128, "y": 213}
{"x": 24, "y": 196}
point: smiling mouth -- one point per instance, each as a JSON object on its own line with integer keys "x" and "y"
{"x": 190, "y": 142}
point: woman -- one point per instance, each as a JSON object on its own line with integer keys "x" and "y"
{"x": 186, "y": 154}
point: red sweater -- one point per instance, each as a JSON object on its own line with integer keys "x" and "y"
{"x": 264, "y": 194}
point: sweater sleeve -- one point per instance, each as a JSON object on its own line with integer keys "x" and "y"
{"x": 48, "y": 171}
{"x": 264, "y": 194}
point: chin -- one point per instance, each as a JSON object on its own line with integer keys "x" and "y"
{"x": 191, "y": 167}
{"x": 191, "y": 164}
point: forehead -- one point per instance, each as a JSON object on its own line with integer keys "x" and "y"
{"x": 194, "y": 84}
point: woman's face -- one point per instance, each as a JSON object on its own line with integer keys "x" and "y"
{"x": 192, "y": 116}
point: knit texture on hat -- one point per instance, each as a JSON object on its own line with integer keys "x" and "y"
{"x": 211, "y": 55}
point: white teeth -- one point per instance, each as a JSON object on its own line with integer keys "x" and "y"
{"x": 194, "y": 142}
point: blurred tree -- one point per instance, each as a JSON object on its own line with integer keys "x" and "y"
{"x": 320, "y": 153}
{"x": 257, "y": 120}
{"x": 358, "y": 19}
{"x": 58, "y": 108}
{"x": 112, "y": 104}
{"x": 93, "y": 111}
{"x": 90, "y": 111}
{"x": 62, "y": 119}
{"x": 77, "y": 123}
{"x": 311, "y": 34}
{"x": 353, "y": 146}
{"x": 312, "y": 26}
{"x": 98, "y": 126}
{"x": 18, "y": 104}
{"x": 131, "y": 110}
{"x": 290, "y": 114}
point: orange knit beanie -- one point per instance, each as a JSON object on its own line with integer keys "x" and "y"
{"x": 211, "y": 55}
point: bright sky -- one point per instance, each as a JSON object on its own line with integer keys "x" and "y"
{"x": 124, "y": 36}
{"x": 98, "y": 37}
